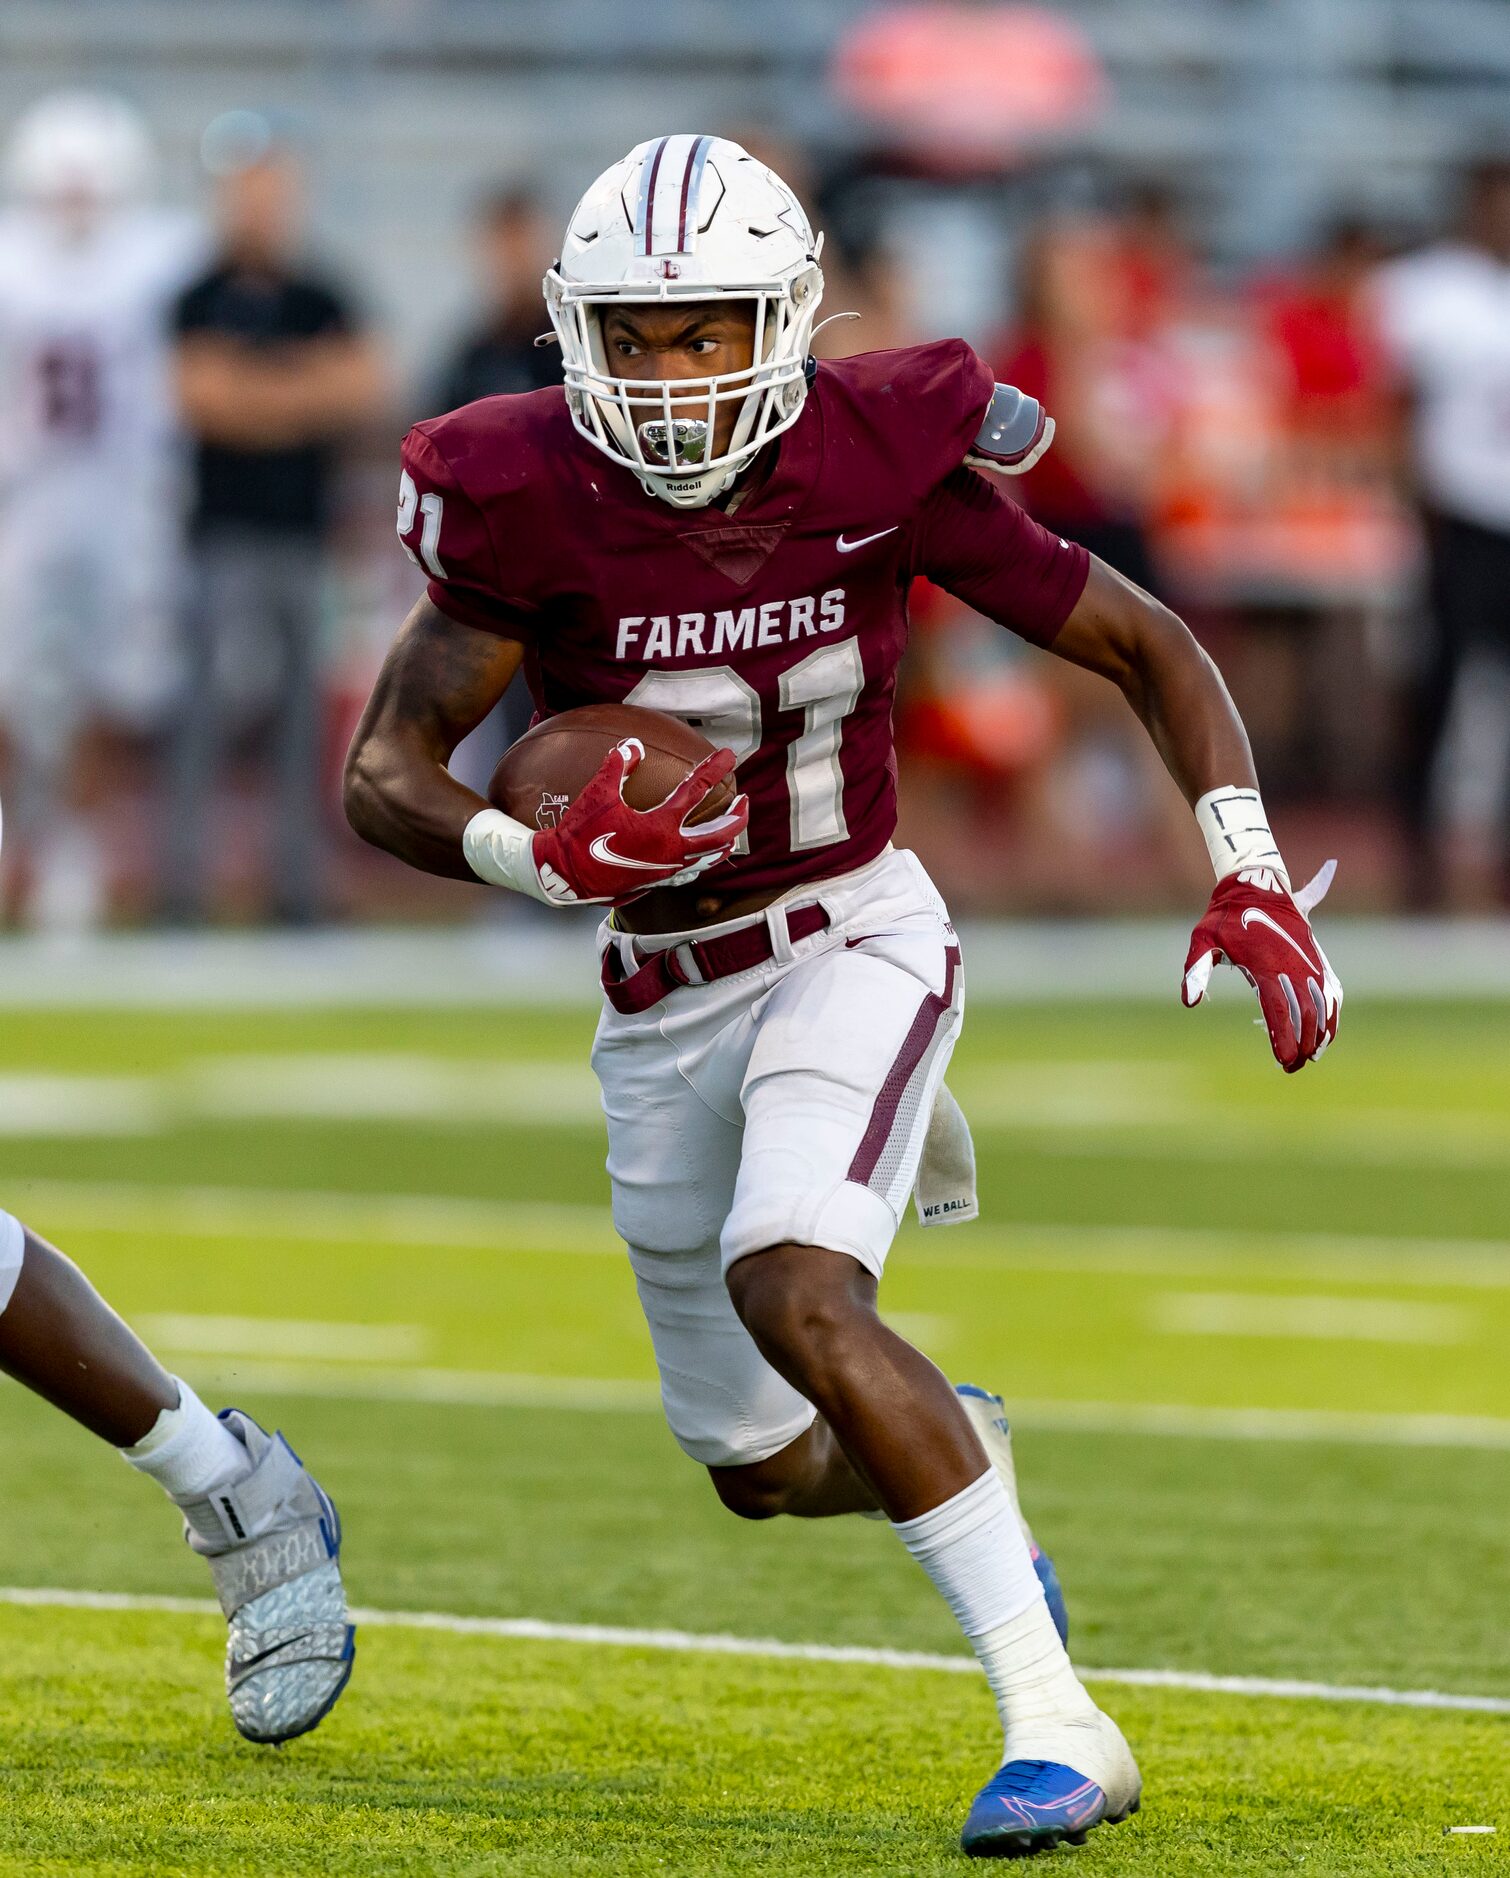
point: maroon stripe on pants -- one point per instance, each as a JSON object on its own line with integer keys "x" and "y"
{"x": 914, "y": 1047}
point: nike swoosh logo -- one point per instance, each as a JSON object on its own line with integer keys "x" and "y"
{"x": 1254, "y": 913}
{"x": 241, "y": 1664}
{"x": 601, "y": 851}
{"x": 848, "y": 547}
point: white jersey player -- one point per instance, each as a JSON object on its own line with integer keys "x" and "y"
{"x": 88, "y": 498}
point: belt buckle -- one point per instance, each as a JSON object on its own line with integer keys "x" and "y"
{"x": 682, "y": 963}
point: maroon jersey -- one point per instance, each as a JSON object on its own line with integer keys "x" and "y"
{"x": 776, "y": 629}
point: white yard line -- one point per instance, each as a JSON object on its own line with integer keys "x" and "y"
{"x": 524, "y": 1226}
{"x": 463, "y": 1388}
{"x": 1337, "y": 1427}
{"x": 449, "y": 1388}
{"x": 690, "y": 1642}
{"x": 43, "y": 1106}
{"x": 297, "y": 1338}
{"x": 1307, "y": 1316}
{"x": 526, "y": 965}
{"x": 1058, "y": 1107}
{"x": 336, "y": 1218}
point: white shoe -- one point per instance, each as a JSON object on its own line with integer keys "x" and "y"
{"x": 273, "y": 1545}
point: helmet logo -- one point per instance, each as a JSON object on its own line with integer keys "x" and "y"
{"x": 668, "y": 270}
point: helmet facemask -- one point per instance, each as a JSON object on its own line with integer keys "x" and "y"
{"x": 740, "y": 235}
{"x": 663, "y": 429}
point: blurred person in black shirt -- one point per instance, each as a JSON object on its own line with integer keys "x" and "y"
{"x": 515, "y": 243}
{"x": 273, "y": 372}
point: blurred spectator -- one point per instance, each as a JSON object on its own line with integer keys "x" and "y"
{"x": 1153, "y": 264}
{"x": 1319, "y": 318}
{"x": 88, "y": 502}
{"x": 515, "y": 241}
{"x": 1445, "y": 314}
{"x": 273, "y": 371}
{"x": 867, "y": 289}
{"x": 1086, "y": 345}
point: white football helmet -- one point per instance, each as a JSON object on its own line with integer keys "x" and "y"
{"x": 686, "y": 218}
{"x": 75, "y": 146}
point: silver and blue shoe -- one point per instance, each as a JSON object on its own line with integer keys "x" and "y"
{"x": 1030, "y": 1805}
{"x": 988, "y": 1417}
{"x": 273, "y": 1545}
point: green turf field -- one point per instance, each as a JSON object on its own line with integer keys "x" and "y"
{"x": 1253, "y": 1331}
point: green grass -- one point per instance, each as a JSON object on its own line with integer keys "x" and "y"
{"x": 542, "y": 1760}
{"x": 1361, "y": 1195}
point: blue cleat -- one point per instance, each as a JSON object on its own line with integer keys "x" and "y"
{"x": 1028, "y": 1807}
{"x": 988, "y": 1416}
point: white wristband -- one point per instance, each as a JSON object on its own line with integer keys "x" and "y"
{"x": 500, "y": 851}
{"x": 1237, "y": 832}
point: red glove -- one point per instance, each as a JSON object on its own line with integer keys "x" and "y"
{"x": 602, "y": 850}
{"x": 1257, "y": 925}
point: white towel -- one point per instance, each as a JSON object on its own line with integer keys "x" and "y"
{"x": 944, "y": 1193}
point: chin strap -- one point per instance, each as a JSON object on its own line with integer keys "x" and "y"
{"x": 703, "y": 489}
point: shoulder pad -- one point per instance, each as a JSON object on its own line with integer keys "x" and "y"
{"x": 1014, "y": 433}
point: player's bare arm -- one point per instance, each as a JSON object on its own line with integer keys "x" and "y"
{"x": 1255, "y": 921}
{"x": 1124, "y": 634}
{"x": 438, "y": 682}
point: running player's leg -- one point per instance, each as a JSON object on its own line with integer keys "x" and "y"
{"x": 674, "y": 1081}
{"x": 840, "y": 1082}
{"x": 270, "y": 1535}
{"x": 61, "y": 1339}
{"x": 671, "y": 1099}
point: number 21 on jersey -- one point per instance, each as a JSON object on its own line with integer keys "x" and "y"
{"x": 825, "y": 687}
{"x": 428, "y": 510}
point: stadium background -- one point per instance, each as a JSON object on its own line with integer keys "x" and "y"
{"x": 1251, "y": 1329}
{"x": 1169, "y": 212}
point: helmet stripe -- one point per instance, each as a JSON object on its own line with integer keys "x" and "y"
{"x": 646, "y": 205}
{"x": 685, "y": 237}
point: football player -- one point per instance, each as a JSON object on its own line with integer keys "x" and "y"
{"x": 705, "y": 522}
{"x": 88, "y": 504}
{"x": 268, "y": 1531}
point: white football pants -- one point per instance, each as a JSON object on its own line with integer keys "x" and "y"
{"x": 88, "y": 572}
{"x": 12, "y": 1251}
{"x": 783, "y": 1105}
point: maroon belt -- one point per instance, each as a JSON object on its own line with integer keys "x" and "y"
{"x": 667, "y": 970}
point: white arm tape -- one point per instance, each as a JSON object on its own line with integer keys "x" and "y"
{"x": 1237, "y": 832}
{"x": 499, "y": 850}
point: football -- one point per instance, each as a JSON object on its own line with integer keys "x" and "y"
{"x": 545, "y": 771}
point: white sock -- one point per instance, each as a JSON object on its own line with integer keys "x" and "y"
{"x": 973, "y": 1549}
{"x": 188, "y": 1452}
